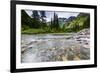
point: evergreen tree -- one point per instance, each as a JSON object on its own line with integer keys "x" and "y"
{"x": 25, "y": 20}
{"x": 55, "y": 21}
{"x": 51, "y": 25}
{"x": 35, "y": 14}
{"x": 36, "y": 19}
{"x": 43, "y": 16}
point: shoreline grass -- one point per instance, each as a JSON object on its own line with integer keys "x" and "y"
{"x": 43, "y": 31}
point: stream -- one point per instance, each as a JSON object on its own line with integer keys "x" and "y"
{"x": 54, "y": 47}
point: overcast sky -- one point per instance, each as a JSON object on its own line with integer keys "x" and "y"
{"x": 61, "y": 14}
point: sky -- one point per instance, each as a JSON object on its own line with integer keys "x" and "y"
{"x": 50, "y": 14}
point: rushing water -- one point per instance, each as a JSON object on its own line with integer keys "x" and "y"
{"x": 51, "y": 47}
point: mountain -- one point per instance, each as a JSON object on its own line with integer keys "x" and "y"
{"x": 71, "y": 18}
{"x": 62, "y": 21}
{"x": 29, "y": 22}
{"x": 24, "y": 18}
{"x": 80, "y": 22}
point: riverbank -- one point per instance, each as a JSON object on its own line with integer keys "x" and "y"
{"x": 43, "y": 31}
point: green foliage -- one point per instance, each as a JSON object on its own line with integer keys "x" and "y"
{"x": 55, "y": 22}
{"x": 37, "y": 23}
{"x": 25, "y": 19}
{"x": 25, "y": 27}
{"x": 79, "y": 23}
{"x": 33, "y": 31}
{"x": 35, "y": 15}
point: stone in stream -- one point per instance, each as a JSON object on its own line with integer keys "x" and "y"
{"x": 58, "y": 58}
{"x": 64, "y": 58}
{"x": 70, "y": 54}
{"x": 76, "y": 58}
{"x": 84, "y": 53}
{"x": 22, "y": 50}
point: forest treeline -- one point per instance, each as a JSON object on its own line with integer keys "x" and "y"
{"x": 37, "y": 23}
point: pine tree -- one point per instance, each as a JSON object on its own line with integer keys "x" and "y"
{"x": 35, "y": 14}
{"x": 51, "y": 25}
{"x": 55, "y": 21}
{"x": 43, "y": 16}
{"x": 25, "y": 20}
{"x": 36, "y": 19}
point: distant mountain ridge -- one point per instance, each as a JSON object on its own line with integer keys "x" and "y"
{"x": 71, "y": 18}
{"x": 80, "y": 22}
